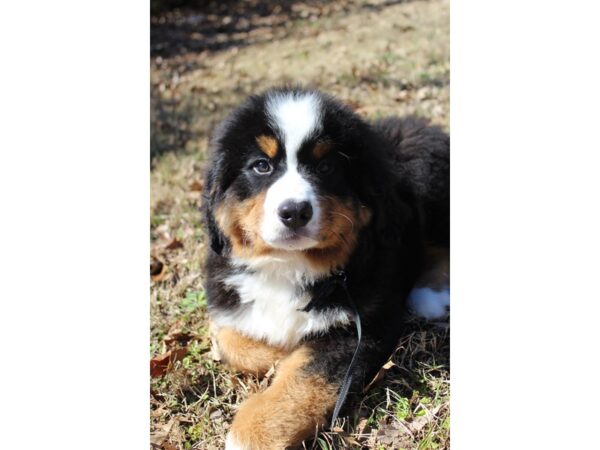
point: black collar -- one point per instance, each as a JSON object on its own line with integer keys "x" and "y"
{"x": 324, "y": 293}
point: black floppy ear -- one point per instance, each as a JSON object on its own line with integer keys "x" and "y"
{"x": 393, "y": 205}
{"x": 209, "y": 203}
{"x": 217, "y": 240}
{"x": 393, "y": 210}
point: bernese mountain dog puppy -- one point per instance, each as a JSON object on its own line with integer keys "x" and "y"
{"x": 322, "y": 227}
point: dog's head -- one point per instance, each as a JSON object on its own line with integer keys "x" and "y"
{"x": 288, "y": 177}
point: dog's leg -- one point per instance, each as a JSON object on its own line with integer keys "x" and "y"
{"x": 288, "y": 411}
{"x": 244, "y": 354}
{"x": 302, "y": 395}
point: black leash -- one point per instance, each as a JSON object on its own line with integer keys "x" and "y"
{"x": 348, "y": 377}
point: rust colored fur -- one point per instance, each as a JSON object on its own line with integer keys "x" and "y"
{"x": 321, "y": 149}
{"x": 341, "y": 225}
{"x": 290, "y": 410}
{"x": 378, "y": 195}
{"x": 268, "y": 145}
{"x": 240, "y": 222}
{"x": 247, "y": 355}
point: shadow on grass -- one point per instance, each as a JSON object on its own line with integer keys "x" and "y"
{"x": 177, "y": 122}
{"x": 183, "y": 30}
{"x": 170, "y": 123}
{"x": 194, "y": 26}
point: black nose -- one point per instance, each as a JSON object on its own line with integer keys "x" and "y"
{"x": 295, "y": 214}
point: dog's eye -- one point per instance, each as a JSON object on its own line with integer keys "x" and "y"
{"x": 325, "y": 167}
{"x": 262, "y": 167}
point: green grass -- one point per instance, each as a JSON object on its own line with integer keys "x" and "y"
{"x": 388, "y": 60}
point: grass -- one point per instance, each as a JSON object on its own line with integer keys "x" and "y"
{"x": 381, "y": 57}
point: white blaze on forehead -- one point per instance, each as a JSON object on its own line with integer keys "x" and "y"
{"x": 296, "y": 117}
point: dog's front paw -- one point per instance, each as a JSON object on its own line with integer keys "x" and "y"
{"x": 256, "y": 426}
{"x": 232, "y": 444}
{"x": 290, "y": 410}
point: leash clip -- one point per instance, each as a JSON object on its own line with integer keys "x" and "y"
{"x": 341, "y": 277}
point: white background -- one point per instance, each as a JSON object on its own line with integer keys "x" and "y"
{"x": 74, "y": 227}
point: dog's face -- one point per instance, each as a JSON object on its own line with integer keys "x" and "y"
{"x": 285, "y": 178}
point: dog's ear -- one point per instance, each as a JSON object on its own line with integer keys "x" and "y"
{"x": 393, "y": 205}
{"x": 213, "y": 192}
{"x": 217, "y": 240}
{"x": 393, "y": 210}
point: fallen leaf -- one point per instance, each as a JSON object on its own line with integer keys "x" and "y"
{"x": 217, "y": 414}
{"x": 380, "y": 374}
{"x": 354, "y": 105}
{"x": 157, "y": 412}
{"x": 162, "y": 230}
{"x": 420, "y": 422}
{"x": 174, "y": 244}
{"x": 388, "y": 435}
{"x": 352, "y": 441}
{"x": 402, "y": 96}
{"x": 362, "y": 424}
{"x": 176, "y": 334}
{"x": 388, "y": 365}
{"x": 158, "y": 437}
{"x": 196, "y": 185}
{"x": 159, "y": 365}
{"x": 176, "y": 326}
{"x": 185, "y": 419}
{"x": 169, "y": 446}
{"x": 155, "y": 267}
{"x": 158, "y": 270}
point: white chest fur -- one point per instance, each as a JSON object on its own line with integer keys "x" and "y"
{"x": 271, "y": 309}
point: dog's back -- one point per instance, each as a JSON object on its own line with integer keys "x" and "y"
{"x": 422, "y": 156}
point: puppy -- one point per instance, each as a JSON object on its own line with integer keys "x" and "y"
{"x": 320, "y": 226}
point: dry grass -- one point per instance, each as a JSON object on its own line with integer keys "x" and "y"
{"x": 382, "y": 58}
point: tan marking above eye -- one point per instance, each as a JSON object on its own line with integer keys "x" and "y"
{"x": 268, "y": 145}
{"x": 321, "y": 149}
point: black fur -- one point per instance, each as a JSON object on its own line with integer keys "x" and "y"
{"x": 399, "y": 168}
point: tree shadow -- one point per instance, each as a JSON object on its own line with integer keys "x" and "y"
{"x": 183, "y": 32}
{"x": 181, "y": 27}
